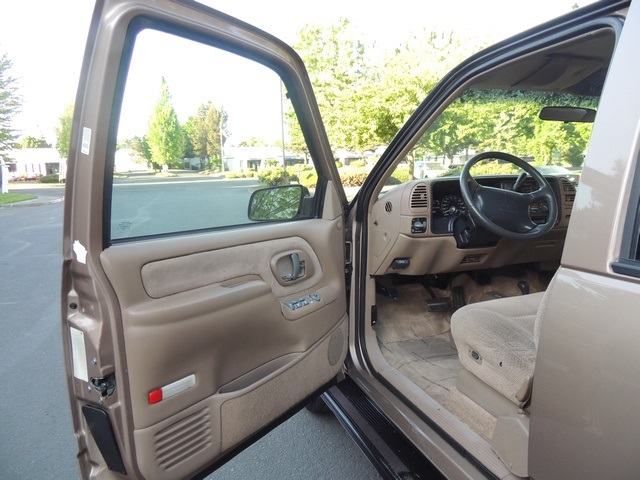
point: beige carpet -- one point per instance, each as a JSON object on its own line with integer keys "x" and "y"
{"x": 418, "y": 342}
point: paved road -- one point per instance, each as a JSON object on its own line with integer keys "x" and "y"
{"x": 186, "y": 203}
{"x": 36, "y": 439}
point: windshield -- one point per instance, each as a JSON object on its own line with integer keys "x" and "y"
{"x": 499, "y": 120}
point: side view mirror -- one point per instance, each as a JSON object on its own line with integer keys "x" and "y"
{"x": 276, "y": 203}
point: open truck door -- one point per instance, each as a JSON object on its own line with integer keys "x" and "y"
{"x": 194, "y": 314}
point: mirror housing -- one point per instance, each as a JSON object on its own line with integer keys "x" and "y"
{"x": 276, "y": 203}
{"x": 568, "y": 114}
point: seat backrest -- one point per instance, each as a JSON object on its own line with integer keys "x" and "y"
{"x": 542, "y": 311}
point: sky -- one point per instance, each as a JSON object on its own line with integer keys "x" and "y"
{"x": 45, "y": 40}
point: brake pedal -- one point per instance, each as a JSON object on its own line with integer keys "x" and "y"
{"x": 438, "y": 304}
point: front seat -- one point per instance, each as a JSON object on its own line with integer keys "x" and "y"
{"x": 497, "y": 342}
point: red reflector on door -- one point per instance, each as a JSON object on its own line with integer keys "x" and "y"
{"x": 155, "y": 396}
{"x": 172, "y": 389}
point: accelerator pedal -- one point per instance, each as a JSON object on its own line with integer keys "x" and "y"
{"x": 457, "y": 298}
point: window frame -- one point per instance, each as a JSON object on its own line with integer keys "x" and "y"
{"x": 629, "y": 261}
{"x": 144, "y": 22}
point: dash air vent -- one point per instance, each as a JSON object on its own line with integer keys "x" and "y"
{"x": 388, "y": 207}
{"x": 419, "y": 198}
{"x": 568, "y": 190}
{"x": 567, "y": 186}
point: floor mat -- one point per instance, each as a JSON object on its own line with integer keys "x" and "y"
{"x": 429, "y": 348}
{"x": 418, "y": 342}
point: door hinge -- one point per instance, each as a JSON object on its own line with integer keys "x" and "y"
{"x": 348, "y": 268}
{"x": 105, "y": 386}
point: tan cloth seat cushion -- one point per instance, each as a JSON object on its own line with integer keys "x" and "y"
{"x": 495, "y": 341}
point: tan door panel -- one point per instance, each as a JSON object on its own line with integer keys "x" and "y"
{"x": 220, "y": 324}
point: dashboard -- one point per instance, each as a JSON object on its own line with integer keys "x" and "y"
{"x": 447, "y": 203}
{"x": 413, "y": 228}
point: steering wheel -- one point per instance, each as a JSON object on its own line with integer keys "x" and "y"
{"x": 505, "y": 212}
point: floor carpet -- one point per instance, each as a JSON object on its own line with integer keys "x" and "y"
{"x": 418, "y": 342}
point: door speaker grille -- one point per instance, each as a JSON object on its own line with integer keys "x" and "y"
{"x": 183, "y": 439}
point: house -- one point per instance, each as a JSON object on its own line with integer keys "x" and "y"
{"x": 346, "y": 157}
{"x": 126, "y": 160}
{"x": 34, "y": 162}
{"x": 255, "y": 158}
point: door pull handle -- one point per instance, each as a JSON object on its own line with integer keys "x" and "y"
{"x": 298, "y": 269}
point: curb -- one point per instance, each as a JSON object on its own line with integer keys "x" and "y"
{"x": 33, "y": 203}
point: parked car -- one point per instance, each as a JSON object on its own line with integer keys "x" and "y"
{"x": 560, "y": 171}
{"x": 478, "y": 326}
{"x": 429, "y": 169}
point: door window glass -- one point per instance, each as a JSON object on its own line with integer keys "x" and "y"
{"x": 200, "y": 130}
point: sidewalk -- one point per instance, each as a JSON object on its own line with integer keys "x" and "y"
{"x": 46, "y": 195}
{"x": 35, "y": 202}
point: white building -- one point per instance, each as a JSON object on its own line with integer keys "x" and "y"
{"x": 34, "y": 162}
{"x": 253, "y": 158}
{"x": 127, "y": 161}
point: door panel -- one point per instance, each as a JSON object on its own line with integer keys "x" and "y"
{"x": 228, "y": 329}
{"x": 218, "y": 314}
{"x": 181, "y": 320}
{"x": 250, "y": 357}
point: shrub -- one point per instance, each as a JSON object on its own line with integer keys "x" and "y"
{"x": 339, "y": 164}
{"x": 309, "y": 178}
{"x": 250, "y": 174}
{"x": 53, "y": 178}
{"x": 358, "y": 164}
{"x": 270, "y": 162}
{"x": 353, "y": 176}
{"x": 273, "y": 176}
{"x": 292, "y": 172}
{"x": 494, "y": 168}
{"x": 400, "y": 175}
{"x": 231, "y": 175}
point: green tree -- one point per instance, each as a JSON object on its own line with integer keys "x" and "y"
{"x": 10, "y": 103}
{"x": 138, "y": 145}
{"x": 339, "y": 71}
{"x": 164, "y": 134}
{"x": 63, "y": 131}
{"x": 207, "y": 133}
{"x": 33, "y": 142}
{"x": 254, "y": 142}
{"x": 430, "y": 56}
{"x": 188, "y": 151}
{"x": 508, "y": 121}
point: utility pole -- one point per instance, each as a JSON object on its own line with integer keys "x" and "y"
{"x": 221, "y": 142}
{"x": 282, "y": 122}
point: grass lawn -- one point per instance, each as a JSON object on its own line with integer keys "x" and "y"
{"x": 14, "y": 197}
